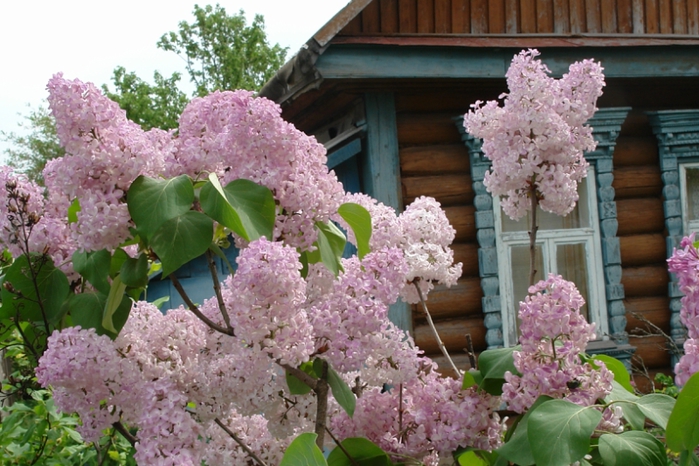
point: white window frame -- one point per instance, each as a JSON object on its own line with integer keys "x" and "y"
{"x": 688, "y": 225}
{"x": 549, "y": 240}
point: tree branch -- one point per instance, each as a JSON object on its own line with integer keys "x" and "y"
{"x": 339, "y": 445}
{"x": 119, "y": 427}
{"x": 193, "y": 307}
{"x": 217, "y": 289}
{"x": 240, "y": 442}
{"x": 532, "y": 233}
{"x": 321, "y": 392}
{"x": 301, "y": 375}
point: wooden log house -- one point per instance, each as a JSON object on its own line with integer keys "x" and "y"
{"x": 383, "y": 85}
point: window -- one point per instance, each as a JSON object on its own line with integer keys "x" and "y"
{"x": 569, "y": 246}
{"x": 689, "y": 185}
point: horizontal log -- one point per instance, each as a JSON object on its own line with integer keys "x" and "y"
{"x": 652, "y": 351}
{"x": 639, "y": 250}
{"x": 426, "y": 128}
{"x": 651, "y": 280}
{"x": 467, "y": 254}
{"x": 461, "y": 300}
{"x": 640, "y": 216}
{"x": 446, "y": 189}
{"x": 636, "y": 150}
{"x": 637, "y": 181}
{"x": 453, "y": 334}
{"x": 654, "y": 309}
{"x": 636, "y": 124}
{"x": 463, "y": 220}
{"x": 431, "y": 160}
{"x": 461, "y": 361}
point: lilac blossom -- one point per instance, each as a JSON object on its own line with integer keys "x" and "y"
{"x": 536, "y": 139}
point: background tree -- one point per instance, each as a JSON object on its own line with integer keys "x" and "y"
{"x": 221, "y": 52}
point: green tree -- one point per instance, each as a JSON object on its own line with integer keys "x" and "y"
{"x": 222, "y": 52}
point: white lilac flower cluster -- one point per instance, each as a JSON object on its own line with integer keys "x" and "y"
{"x": 684, "y": 263}
{"x": 553, "y": 335}
{"x": 536, "y": 139}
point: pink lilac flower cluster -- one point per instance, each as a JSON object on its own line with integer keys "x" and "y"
{"x": 536, "y": 139}
{"x": 684, "y": 263}
{"x": 553, "y": 335}
{"x": 426, "y": 418}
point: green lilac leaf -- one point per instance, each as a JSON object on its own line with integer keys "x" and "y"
{"x": 657, "y": 407}
{"x": 688, "y": 458}
{"x": 134, "y": 271}
{"x": 518, "y": 448}
{"x": 682, "y": 431}
{"x": 243, "y": 206}
{"x": 628, "y": 402}
{"x": 73, "y": 210}
{"x": 636, "y": 448}
{"x": 152, "y": 202}
{"x": 363, "y": 452}
{"x": 94, "y": 267}
{"x": 471, "y": 378}
{"x": 493, "y": 365}
{"x": 181, "y": 239}
{"x": 559, "y": 432}
{"x": 296, "y": 386}
{"x": 86, "y": 311}
{"x": 471, "y": 458}
{"x": 359, "y": 219}
{"x": 303, "y": 451}
{"x": 51, "y": 284}
{"x": 331, "y": 243}
{"x": 114, "y": 299}
{"x": 621, "y": 374}
{"x": 341, "y": 391}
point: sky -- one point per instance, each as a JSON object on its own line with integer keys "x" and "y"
{"x": 87, "y": 39}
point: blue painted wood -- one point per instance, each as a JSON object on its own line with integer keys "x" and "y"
{"x": 344, "y": 61}
{"x": 677, "y": 132}
{"x": 606, "y": 126}
{"x": 344, "y": 153}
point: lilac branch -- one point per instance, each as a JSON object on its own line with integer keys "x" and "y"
{"x": 240, "y": 442}
{"x": 217, "y": 289}
{"x": 193, "y": 307}
{"x": 532, "y": 232}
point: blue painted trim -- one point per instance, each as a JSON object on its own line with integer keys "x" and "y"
{"x": 344, "y": 61}
{"x": 344, "y": 153}
{"x": 606, "y": 127}
{"x": 677, "y": 132}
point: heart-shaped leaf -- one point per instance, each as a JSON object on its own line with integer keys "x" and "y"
{"x": 181, "y": 239}
{"x": 152, "y": 201}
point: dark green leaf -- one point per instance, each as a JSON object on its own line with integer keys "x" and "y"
{"x": 493, "y": 365}
{"x": 359, "y": 219}
{"x": 682, "y": 431}
{"x": 134, "y": 272}
{"x": 635, "y": 448}
{"x": 118, "y": 258}
{"x": 94, "y": 266}
{"x": 559, "y": 432}
{"x": 114, "y": 298}
{"x": 518, "y": 449}
{"x": 152, "y": 202}
{"x": 341, "y": 391}
{"x": 331, "y": 243}
{"x": 51, "y": 284}
{"x": 86, "y": 310}
{"x": 621, "y": 375}
{"x": 657, "y": 407}
{"x": 245, "y": 207}
{"x": 471, "y": 378}
{"x": 363, "y": 452}
{"x": 296, "y": 386}
{"x": 181, "y": 239}
{"x": 303, "y": 451}
{"x": 688, "y": 458}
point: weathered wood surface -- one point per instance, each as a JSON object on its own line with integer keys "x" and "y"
{"x": 467, "y": 254}
{"x": 424, "y": 160}
{"x": 526, "y": 17}
{"x": 453, "y": 334}
{"x": 463, "y": 220}
{"x": 655, "y": 310}
{"x": 636, "y": 151}
{"x": 637, "y": 181}
{"x": 418, "y": 128}
{"x": 650, "y": 280}
{"x": 461, "y": 300}
{"x": 638, "y": 250}
{"x": 652, "y": 351}
{"x": 446, "y": 189}
{"x": 639, "y": 216}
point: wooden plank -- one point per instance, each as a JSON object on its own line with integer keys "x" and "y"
{"x": 624, "y": 17}
{"x": 637, "y": 181}
{"x": 577, "y": 16}
{"x": 693, "y": 17}
{"x": 371, "y": 23}
{"x": 652, "y": 351}
{"x": 679, "y": 16}
{"x": 467, "y": 254}
{"x": 451, "y": 158}
{"x": 609, "y": 16}
{"x": 496, "y": 16}
{"x": 638, "y": 16}
{"x": 461, "y": 300}
{"x": 650, "y": 280}
{"x": 561, "y": 17}
{"x": 453, "y": 333}
{"x": 636, "y": 124}
{"x": 389, "y": 16}
{"x": 462, "y": 218}
{"x": 544, "y": 16}
{"x": 460, "y": 16}
{"x": 593, "y": 16}
{"x": 655, "y": 309}
{"x": 640, "y": 216}
{"x": 512, "y": 16}
{"x": 635, "y": 151}
{"x": 425, "y": 16}
{"x": 479, "y": 16}
{"x": 460, "y": 359}
{"x": 639, "y": 250}
{"x": 353, "y": 27}
{"x": 652, "y": 17}
{"x": 407, "y": 16}
{"x": 416, "y": 128}
{"x": 528, "y": 16}
{"x": 442, "y": 16}
{"x": 446, "y": 189}
{"x": 665, "y": 14}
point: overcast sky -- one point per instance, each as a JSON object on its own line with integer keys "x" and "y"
{"x": 87, "y": 39}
